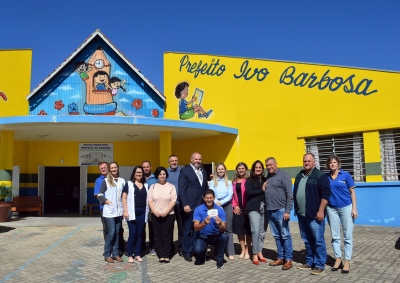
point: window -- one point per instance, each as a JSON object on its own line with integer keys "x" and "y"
{"x": 349, "y": 148}
{"x": 390, "y": 154}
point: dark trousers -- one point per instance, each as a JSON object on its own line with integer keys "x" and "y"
{"x": 219, "y": 240}
{"x": 121, "y": 241}
{"x": 187, "y": 241}
{"x": 179, "y": 223}
{"x": 163, "y": 228}
{"x": 136, "y": 232}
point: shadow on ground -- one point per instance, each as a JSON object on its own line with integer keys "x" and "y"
{"x": 5, "y": 229}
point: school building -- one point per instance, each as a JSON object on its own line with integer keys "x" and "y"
{"x": 97, "y": 105}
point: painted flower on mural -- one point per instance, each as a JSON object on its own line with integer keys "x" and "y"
{"x": 42, "y": 113}
{"x": 58, "y": 105}
{"x": 154, "y": 113}
{"x": 137, "y": 103}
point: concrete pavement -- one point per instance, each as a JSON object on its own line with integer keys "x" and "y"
{"x": 69, "y": 249}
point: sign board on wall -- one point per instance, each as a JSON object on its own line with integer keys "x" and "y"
{"x": 93, "y": 153}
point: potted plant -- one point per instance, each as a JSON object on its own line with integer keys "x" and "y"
{"x": 5, "y": 202}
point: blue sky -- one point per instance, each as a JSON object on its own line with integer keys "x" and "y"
{"x": 358, "y": 33}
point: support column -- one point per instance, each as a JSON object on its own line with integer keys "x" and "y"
{"x": 372, "y": 155}
{"x": 6, "y": 157}
{"x": 165, "y": 148}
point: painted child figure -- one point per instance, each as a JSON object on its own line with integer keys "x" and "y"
{"x": 185, "y": 112}
{"x": 100, "y": 81}
{"x": 82, "y": 68}
{"x": 115, "y": 84}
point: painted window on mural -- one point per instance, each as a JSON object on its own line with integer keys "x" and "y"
{"x": 349, "y": 148}
{"x": 390, "y": 154}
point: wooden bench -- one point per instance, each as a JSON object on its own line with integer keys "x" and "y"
{"x": 90, "y": 206}
{"x": 27, "y": 204}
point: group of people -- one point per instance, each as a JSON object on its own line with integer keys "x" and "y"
{"x": 210, "y": 212}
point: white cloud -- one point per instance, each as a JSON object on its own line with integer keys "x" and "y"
{"x": 148, "y": 100}
{"x": 65, "y": 87}
{"x": 53, "y": 93}
{"x": 134, "y": 91}
{"x": 118, "y": 72}
{"x": 75, "y": 96}
{"x": 123, "y": 100}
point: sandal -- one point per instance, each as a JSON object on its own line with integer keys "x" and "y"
{"x": 246, "y": 256}
{"x": 241, "y": 256}
{"x": 138, "y": 258}
{"x": 130, "y": 259}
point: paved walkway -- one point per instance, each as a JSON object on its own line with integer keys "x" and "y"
{"x": 69, "y": 249}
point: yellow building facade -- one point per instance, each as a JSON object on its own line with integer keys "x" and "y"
{"x": 227, "y": 108}
{"x": 277, "y": 106}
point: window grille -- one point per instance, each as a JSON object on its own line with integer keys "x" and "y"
{"x": 349, "y": 148}
{"x": 390, "y": 154}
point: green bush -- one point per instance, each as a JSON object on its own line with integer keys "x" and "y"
{"x": 5, "y": 192}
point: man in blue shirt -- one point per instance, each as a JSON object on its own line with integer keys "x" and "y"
{"x": 150, "y": 180}
{"x": 173, "y": 176}
{"x": 209, "y": 223}
{"x": 103, "y": 168}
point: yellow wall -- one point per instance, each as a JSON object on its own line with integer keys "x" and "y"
{"x": 15, "y": 80}
{"x": 32, "y": 154}
{"x": 272, "y": 114}
{"x": 216, "y": 149}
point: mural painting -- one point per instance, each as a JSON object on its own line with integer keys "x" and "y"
{"x": 187, "y": 108}
{"x": 97, "y": 81}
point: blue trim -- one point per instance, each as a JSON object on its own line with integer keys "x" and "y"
{"x": 377, "y": 204}
{"x": 116, "y": 120}
{"x": 377, "y": 184}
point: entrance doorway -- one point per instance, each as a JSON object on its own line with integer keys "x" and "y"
{"x": 61, "y": 190}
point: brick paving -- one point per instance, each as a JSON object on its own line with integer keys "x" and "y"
{"x": 69, "y": 249}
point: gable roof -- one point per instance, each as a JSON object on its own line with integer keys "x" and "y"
{"x": 81, "y": 47}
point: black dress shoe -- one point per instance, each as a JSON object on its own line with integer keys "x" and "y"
{"x": 346, "y": 271}
{"x": 337, "y": 268}
{"x": 161, "y": 260}
{"x": 187, "y": 257}
{"x": 199, "y": 262}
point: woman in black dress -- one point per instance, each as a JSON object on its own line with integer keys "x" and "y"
{"x": 241, "y": 222}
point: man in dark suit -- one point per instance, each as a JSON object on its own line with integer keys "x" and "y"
{"x": 192, "y": 183}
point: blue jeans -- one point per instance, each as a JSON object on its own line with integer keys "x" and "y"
{"x": 187, "y": 241}
{"x": 280, "y": 230}
{"x": 219, "y": 240}
{"x": 335, "y": 216}
{"x": 136, "y": 228}
{"x": 257, "y": 230}
{"x": 312, "y": 233}
{"x": 111, "y": 243}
